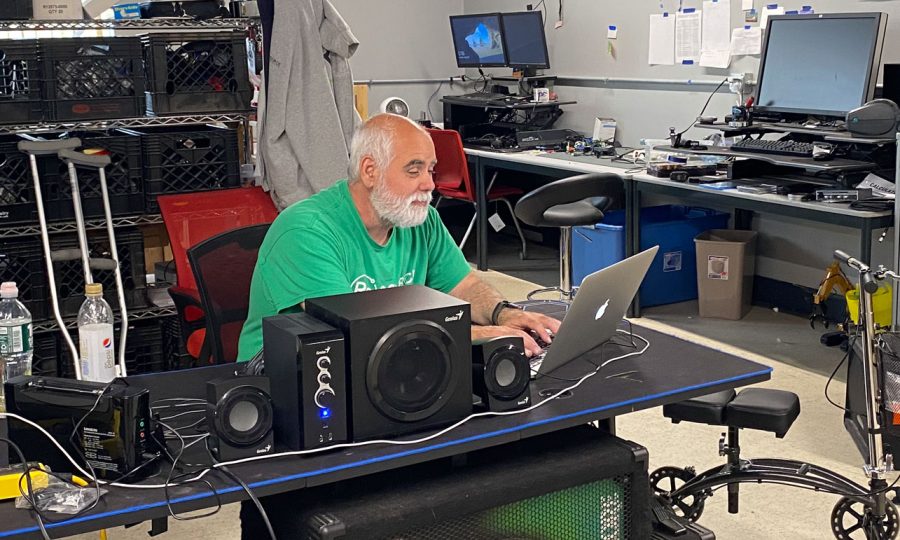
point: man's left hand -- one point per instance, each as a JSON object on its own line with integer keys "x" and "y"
{"x": 529, "y": 321}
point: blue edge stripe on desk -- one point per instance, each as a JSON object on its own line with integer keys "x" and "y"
{"x": 131, "y": 509}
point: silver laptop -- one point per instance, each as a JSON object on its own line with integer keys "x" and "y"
{"x": 596, "y": 311}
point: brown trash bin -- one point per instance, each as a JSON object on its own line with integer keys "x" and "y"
{"x": 726, "y": 263}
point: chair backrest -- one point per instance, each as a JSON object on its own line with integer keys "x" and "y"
{"x": 223, "y": 267}
{"x": 193, "y": 217}
{"x": 452, "y": 170}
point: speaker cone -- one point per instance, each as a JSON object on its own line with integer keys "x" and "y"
{"x": 506, "y": 373}
{"x": 409, "y": 371}
{"x": 243, "y": 416}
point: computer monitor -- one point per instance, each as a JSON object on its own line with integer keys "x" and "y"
{"x": 526, "y": 45}
{"x": 478, "y": 40}
{"x": 820, "y": 65}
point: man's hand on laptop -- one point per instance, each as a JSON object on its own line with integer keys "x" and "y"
{"x": 526, "y": 324}
{"x": 485, "y": 332}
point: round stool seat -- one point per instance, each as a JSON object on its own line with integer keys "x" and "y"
{"x": 586, "y": 212}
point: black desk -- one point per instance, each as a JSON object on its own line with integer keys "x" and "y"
{"x": 671, "y": 370}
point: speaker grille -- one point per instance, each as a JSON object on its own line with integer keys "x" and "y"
{"x": 600, "y": 509}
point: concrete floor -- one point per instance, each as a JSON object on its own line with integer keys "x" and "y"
{"x": 800, "y": 364}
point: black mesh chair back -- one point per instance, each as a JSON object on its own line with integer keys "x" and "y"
{"x": 223, "y": 267}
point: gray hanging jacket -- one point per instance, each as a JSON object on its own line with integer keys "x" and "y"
{"x": 308, "y": 116}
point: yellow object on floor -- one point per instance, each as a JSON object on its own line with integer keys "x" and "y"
{"x": 882, "y": 305}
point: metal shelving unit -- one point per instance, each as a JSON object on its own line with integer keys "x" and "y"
{"x": 152, "y": 312}
{"x": 129, "y": 24}
{"x": 69, "y": 226}
{"x": 143, "y": 121}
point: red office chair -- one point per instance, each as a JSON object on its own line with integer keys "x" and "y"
{"x": 191, "y": 218}
{"x": 452, "y": 181}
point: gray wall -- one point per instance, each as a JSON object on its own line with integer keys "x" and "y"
{"x": 417, "y": 45}
{"x": 403, "y": 39}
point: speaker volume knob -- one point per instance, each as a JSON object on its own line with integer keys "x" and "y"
{"x": 325, "y": 378}
{"x": 324, "y": 362}
{"x": 325, "y": 398}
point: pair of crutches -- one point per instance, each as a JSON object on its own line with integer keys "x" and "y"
{"x": 65, "y": 150}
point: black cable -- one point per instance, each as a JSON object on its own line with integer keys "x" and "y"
{"x": 438, "y": 89}
{"x": 29, "y": 496}
{"x": 833, "y": 373}
{"x": 169, "y": 481}
{"x": 227, "y": 472}
{"x": 705, "y": 105}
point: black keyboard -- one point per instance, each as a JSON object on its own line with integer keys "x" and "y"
{"x": 782, "y": 148}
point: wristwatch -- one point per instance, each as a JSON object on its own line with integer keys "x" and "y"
{"x": 501, "y": 305}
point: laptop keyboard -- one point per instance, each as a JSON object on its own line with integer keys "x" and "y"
{"x": 538, "y": 359}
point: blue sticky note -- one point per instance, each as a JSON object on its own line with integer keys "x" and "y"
{"x": 665, "y": 13}
{"x": 687, "y": 62}
{"x": 690, "y": 10}
{"x": 792, "y": 12}
{"x": 612, "y": 27}
{"x": 746, "y": 27}
{"x": 772, "y": 6}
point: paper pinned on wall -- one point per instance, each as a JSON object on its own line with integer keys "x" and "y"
{"x": 662, "y": 39}
{"x": 612, "y": 32}
{"x": 746, "y": 5}
{"x": 746, "y": 40}
{"x": 715, "y": 49}
{"x": 687, "y": 36}
{"x": 768, "y": 11}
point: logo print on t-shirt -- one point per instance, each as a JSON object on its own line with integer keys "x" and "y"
{"x": 368, "y": 283}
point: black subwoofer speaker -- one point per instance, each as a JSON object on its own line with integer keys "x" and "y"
{"x": 408, "y": 357}
{"x": 239, "y": 417}
{"x": 501, "y": 374}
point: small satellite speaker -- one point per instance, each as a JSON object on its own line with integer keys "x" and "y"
{"x": 239, "y": 417}
{"x": 501, "y": 374}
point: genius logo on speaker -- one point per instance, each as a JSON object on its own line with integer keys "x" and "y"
{"x": 454, "y": 318}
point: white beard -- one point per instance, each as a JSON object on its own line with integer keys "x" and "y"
{"x": 399, "y": 211}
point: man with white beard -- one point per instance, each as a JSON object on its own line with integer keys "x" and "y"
{"x": 372, "y": 231}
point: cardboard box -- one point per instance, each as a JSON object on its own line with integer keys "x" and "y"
{"x": 156, "y": 245}
{"x": 57, "y": 10}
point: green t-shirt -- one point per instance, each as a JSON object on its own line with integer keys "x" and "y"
{"x": 320, "y": 247}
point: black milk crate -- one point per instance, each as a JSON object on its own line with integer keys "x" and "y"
{"x": 48, "y": 355}
{"x": 124, "y": 178}
{"x": 20, "y": 80}
{"x": 196, "y": 73}
{"x": 15, "y": 10}
{"x": 22, "y": 261}
{"x": 16, "y": 184}
{"x": 143, "y": 348}
{"x": 93, "y": 78}
{"x": 70, "y": 274}
{"x": 174, "y": 347}
{"x": 183, "y": 159}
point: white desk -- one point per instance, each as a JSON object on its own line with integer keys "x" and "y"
{"x": 560, "y": 165}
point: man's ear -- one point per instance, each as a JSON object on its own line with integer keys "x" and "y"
{"x": 368, "y": 172}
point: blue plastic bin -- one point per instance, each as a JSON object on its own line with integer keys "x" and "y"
{"x": 673, "y": 275}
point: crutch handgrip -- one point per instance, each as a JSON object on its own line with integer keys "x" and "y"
{"x": 61, "y": 255}
{"x": 45, "y": 148}
{"x": 103, "y": 264}
{"x": 88, "y": 160}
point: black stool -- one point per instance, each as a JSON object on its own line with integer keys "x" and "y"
{"x": 571, "y": 202}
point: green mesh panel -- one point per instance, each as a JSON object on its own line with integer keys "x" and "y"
{"x": 598, "y": 510}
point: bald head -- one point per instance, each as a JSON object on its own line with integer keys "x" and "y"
{"x": 378, "y": 137}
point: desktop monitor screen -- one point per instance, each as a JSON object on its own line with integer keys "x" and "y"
{"x": 820, "y": 64}
{"x": 526, "y": 45}
{"x": 478, "y": 40}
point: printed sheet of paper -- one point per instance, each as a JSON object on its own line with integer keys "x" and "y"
{"x": 687, "y": 37}
{"x": 662, "y": 39}
{"x": 746, "y": 5}
{"x": 746, "y": 40}
{"x": 715, "y": 50}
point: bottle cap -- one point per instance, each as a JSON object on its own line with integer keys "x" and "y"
{"x": 9, "y": 290}
{"x": 93, "y": 289}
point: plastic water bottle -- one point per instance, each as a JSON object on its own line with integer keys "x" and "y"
{"x": 95, "y": 336}
{"x": 15, "y": 335}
